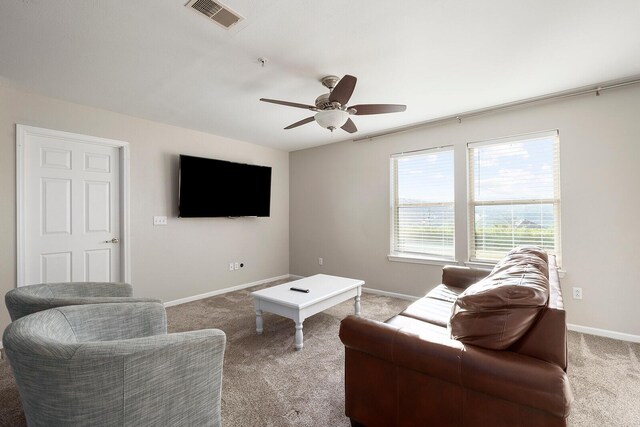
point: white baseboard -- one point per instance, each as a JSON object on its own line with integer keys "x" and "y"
{"x": 604, "y": 333}
{"x": 572, "y": 327}
{"x": 225, "y": 290}
{"x": 390, "y": 294}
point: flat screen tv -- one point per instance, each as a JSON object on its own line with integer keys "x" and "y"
{"x": 217, "y": 188}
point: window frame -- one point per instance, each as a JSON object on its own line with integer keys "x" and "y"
{"x": 418, "y": 257}
{"x": 556, "y": 201}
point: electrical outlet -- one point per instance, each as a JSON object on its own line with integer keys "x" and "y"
{"x": 230, "y": 266}
{"x": 236, "y": 266}
{"x": 577, "y": 293}
{"x": 320, "y": 261}
{"x": 159, "y": 220}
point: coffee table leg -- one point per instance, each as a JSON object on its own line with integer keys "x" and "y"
{"x": 356, "y": 304}
{"x": 298, "y": 337}
{"x": 259, "y": 322}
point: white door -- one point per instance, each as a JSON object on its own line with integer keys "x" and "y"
{"x": 71, "y": 209}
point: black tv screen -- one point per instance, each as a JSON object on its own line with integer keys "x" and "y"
{"x": 217, "y": 188}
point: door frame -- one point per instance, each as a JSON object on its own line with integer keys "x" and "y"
{"x": 22, "y": 132}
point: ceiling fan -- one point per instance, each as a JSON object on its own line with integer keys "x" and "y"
{"x": 331, "y": 108}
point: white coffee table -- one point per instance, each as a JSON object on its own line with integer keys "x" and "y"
{"x": 324, "y": 292}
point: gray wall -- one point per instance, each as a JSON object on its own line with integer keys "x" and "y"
{"x": 339, "y": 203}
{"x": 188, "y": 256}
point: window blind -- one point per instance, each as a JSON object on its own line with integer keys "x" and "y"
{"x": 423, "y": 203}
{"x": 514, "y": 195}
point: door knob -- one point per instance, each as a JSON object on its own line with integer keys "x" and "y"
{"x": 114, "y": 240}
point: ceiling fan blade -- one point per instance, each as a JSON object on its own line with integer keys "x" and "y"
{"x": 301, "y": 122}
{"x": 349, "y": 126}
{"x": 343, "y": 90}
{"x": 365, "y": 109}
{"x": 288, "y": 104}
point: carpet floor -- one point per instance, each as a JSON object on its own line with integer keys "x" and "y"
{"x": 267, "y": 383}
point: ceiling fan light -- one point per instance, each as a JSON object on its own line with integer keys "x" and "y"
{"x": 331, "y": 119}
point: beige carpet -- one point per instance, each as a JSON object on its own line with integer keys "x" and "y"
{"x": 267, "y": 383}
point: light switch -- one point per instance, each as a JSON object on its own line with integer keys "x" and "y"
{"x": 159, "y": 220}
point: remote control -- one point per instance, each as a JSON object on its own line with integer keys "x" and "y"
{"x": 300, "y": 290}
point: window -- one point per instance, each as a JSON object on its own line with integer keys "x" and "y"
{"x": 514, "y": 195}
{"x": 422, "y": 221}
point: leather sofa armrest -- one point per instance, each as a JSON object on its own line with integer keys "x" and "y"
{"x": 368, "y": 336}
{"x": 425, "y": 349}
{"x": 462, "y": 277}
{"x": 517, "y": 378}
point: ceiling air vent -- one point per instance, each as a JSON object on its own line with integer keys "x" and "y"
{"x": 215, "y": 11}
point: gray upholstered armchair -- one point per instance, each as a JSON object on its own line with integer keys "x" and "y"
{"x": 114, "y": 365}
{"x": 33, "y": 298}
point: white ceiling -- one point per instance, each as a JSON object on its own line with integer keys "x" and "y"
{"x": 159, "y": 60}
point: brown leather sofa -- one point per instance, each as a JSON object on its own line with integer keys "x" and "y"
{"x": 419, "y": 368}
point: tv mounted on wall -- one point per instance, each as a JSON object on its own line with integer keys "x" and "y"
{"x": 217, "y": 188}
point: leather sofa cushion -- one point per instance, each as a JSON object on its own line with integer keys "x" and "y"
{"x": 462, "y": 277}
{"x": 532, "y": 255}
{"x": 435, "y": 308}
{"x": 498, "y": 310}
{"x": 430, "y": 310}
{"x": 445, "y": 293}
{"x": 547, "y": 338}
{"x": 528, "y": 250}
